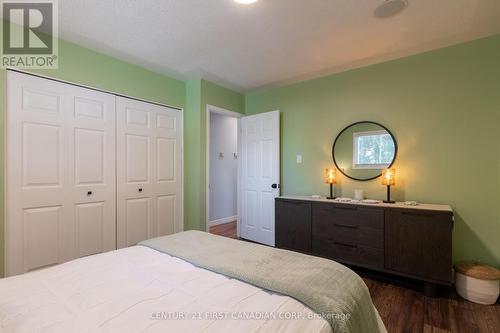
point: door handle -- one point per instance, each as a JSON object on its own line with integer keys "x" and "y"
{"x": 275, "y": 185}
{"x": 140, "y": 190}
{"x": 89, "y": 193}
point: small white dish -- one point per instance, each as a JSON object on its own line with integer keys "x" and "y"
{"x": 370, "y": 201}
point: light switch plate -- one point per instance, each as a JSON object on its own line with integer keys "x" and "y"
{"x": 299, "y": 159}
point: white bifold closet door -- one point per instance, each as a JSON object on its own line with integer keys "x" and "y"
{"x": 149, "y": 171}
{"x": 60, "y": 194}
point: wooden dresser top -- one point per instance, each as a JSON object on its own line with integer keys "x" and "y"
{"x": 400, "y": 205}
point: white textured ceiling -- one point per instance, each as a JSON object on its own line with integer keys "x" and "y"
{"x": 270, "y": 42}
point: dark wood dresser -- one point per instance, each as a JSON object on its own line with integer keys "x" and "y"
{"x": 410, "y": 241}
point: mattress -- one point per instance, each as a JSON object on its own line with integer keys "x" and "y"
{"x": 139, "y": 289}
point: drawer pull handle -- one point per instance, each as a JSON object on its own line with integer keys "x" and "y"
{"x": 344, "y": 244}
{"x": 346, "y": 208}
{"x": 346, "y": 226}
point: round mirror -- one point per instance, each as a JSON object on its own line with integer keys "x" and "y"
{"x": 362, "y": 150}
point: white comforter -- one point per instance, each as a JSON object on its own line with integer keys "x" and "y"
{"x": 141, "y": 290}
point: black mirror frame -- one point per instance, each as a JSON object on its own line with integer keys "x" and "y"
{"x": 365, "y": 122}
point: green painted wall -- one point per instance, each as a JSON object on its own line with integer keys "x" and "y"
{"x": 199, "y": 94}
{"x": 84, "y": 66}
{"x": 444, "y": 109}
{"x": 192, "y": 155}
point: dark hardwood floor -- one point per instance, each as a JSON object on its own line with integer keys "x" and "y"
{"x": 407, "y": 310}
{"x": 226, "y": 230}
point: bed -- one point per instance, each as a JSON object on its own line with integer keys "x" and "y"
{"x": 157, "y": 287}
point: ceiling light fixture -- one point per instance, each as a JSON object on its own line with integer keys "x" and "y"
{"x": 390, "y": 8}
{"x": 245, "y": 2}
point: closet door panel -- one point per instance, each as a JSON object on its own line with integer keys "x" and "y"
{"x": 134, "y": 169}
{"x": 148, "y": 171}
{"x": 60, "y": 145}
{"x": 165, "y": 150}
{"x": 167, "y": 180}
{"x": 89, "y": 157}
{"x": 41, "y": 240}
{"x": 138, "y": 159}
{"x": 38, "y": 215}
{"x": 42, "y": 162}
{"x": 166, "y": 214}
{"x": 93, "y": 171}
{"x": 91, "y": 225}
{"x": 138, "y": 220}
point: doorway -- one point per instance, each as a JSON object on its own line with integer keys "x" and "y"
{"x": 249, "y": 182}
{"x": 222, "y": 172}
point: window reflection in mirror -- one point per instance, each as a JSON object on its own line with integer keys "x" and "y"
{"x": 372, "y": 150}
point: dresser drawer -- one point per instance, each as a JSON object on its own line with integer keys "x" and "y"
{"x": 357, "y": 235}
{"x": 349, "y": 215}
{"x": 349, "y": 233}
{"x": 351, "y": 225}
{"x": 330, "y": 232}
{"x": 349, "y": 253}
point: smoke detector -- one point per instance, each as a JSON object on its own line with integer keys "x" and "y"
{"x": 245, "y": 2}
{"x": 390, "y": 8}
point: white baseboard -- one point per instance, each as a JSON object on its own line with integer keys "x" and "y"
{"x": 222, "y": 221}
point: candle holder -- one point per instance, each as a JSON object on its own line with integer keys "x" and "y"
{"x": 331, "y": 179}
{"x": 389, "y": 179}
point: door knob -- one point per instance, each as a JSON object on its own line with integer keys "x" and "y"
{"x": 140, "y": 189}
{"x": 89, "y": 193}
{"x": 275, "y": 185}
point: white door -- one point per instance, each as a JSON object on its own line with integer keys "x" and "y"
{"x": 149, "y": 171}
{"x": 60, "y": 173}
{"x": 260, "y": 175}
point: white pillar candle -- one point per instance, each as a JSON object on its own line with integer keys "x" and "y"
{"x": 359, "y": 194}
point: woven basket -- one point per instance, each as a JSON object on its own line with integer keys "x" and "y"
{"x": 477, "y": 282}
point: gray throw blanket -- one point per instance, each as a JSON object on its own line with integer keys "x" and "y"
{"x": 327, "y": 287}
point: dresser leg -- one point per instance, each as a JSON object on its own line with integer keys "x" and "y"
{"x": 430, "y": 289}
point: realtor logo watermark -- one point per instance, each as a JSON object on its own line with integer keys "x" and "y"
{"x": 29, "y": 34}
